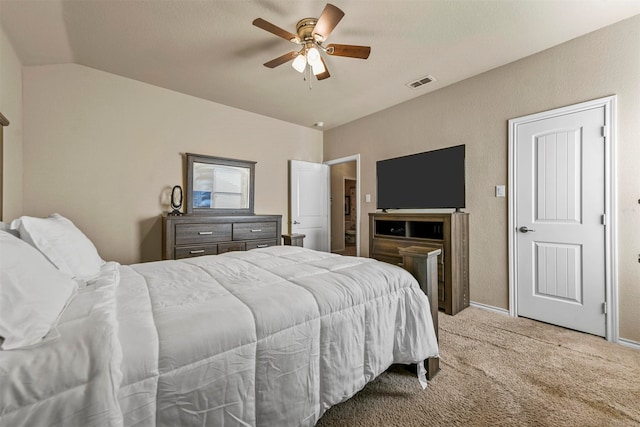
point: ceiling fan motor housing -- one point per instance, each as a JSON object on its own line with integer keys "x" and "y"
{"x": 305, "y": 27}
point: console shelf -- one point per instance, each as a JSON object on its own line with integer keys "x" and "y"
{"x": 448, "y": 232}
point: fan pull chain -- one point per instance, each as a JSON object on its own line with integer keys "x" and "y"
{"x": 307, "y": 75}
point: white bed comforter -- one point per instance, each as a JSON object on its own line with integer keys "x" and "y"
{"x": 268, "y": 337}
{"x": 73, "y": 377}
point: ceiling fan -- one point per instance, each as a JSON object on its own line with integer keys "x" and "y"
{"x": 311, "y": 34}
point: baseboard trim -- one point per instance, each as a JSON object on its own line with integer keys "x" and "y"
{"x": 489, "y": 308}
{"x": 622, "y": 341}
{"x": 629, "y": 343}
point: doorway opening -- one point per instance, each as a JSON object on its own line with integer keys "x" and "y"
{"x": 350, "y": 233}
{"x": 345, "y": 205}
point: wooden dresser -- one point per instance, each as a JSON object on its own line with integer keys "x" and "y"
{"x": 195, "y": 235}
{"x": 449, "y": 232}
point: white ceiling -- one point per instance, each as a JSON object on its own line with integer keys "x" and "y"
{"x": 210, "y": 49}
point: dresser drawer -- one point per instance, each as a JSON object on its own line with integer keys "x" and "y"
{"x": 261, "y": 244}
{"x": 254, "y": 230}
{"x": 231, "y": 246}
{"x": 196, "y": 250}
{"x": 202, "y": 233}
{"x": 389, "y": 248}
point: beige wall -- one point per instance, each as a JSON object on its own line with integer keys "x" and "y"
{"x": 103, "y": 150}
{"x": 11, "y": 108}
{"x": 475, "y": 112}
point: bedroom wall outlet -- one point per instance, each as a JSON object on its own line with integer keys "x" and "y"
{"x": 500, "y": 191}
{"x": 367, "y": 198}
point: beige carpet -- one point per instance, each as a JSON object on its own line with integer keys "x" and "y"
{"x": 503, "y": 371}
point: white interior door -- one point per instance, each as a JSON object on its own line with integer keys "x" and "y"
{"x": 560, "y": 220}
{"x": 309, "y": 202}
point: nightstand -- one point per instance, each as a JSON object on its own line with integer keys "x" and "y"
{"x": 293, "y": 239}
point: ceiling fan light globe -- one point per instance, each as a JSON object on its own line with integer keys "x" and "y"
{"x": 318, "y": 68}
{"x": 313, "y": 56}
{"x": 299, "y": 64}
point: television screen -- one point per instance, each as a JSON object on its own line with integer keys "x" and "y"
{"x": 429, "y": 180}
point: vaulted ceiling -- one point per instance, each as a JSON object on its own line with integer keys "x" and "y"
{"x": 211, "y": 50}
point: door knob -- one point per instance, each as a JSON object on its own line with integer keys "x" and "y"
{"x": 296, "y": 222}
{"x": 524, "y": 229}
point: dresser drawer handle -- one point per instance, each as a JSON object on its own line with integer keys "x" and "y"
{"x": 257, "y": 230}
{"x": 262, "y": 246}
{"x": 205, "y": 233}
{"x": 200, "y": 251}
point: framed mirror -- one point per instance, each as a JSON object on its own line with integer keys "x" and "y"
{"x": 219, "y": 186}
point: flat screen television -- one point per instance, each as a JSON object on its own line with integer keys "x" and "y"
{"x": 429, "y": 180}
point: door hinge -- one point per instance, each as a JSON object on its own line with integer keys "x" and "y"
{"x": 603, "y": 219}
{"x": 604, "y": 307}
{"x": 605, "y": 131}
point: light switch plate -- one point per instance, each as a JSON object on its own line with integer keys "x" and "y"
{"x": 367, "y": 198}
{"x": 500, "y": 191}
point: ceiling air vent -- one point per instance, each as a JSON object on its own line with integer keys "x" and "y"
{"x": 421, "y": 82}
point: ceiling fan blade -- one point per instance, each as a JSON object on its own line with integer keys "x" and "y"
{"x": 325, "y": 74}
{"x": 328, "y": 20}
{"x": 274, "y": 29}
{"x": 281, "y": 59}
{"x": 349, "y": 50}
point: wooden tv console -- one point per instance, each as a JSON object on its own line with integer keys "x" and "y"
{"x": 446, "y": 231}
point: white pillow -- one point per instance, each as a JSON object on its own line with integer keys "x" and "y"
{"x": 62, "y": 243}
{"x": 33, "y": 293}
{"x": 7, "y": 227}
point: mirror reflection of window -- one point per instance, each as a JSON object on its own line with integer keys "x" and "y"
{"x": 220, "y": 187}
{"x": 202, "y": 185}
{"x": 231, "y": 187}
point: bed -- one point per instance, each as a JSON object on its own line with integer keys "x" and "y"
{"x": 267, "y": 337}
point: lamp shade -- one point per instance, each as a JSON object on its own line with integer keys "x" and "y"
{"x": 300, "y": 63}
{"x": 318, "y": 68}
{"x": 313, "y": 56}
